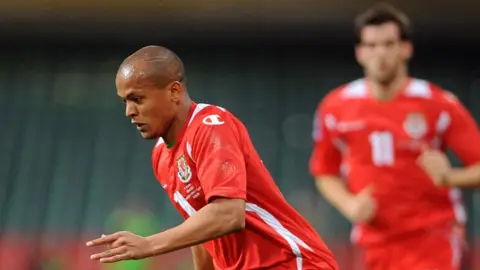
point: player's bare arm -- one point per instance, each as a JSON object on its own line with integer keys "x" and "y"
{"x": 201, "y": 259}
{"x": 356, "y": 208}
{"x": 325, "y": 166}
{"x": 335, "y": 192}
{"x": 436, "y": 164}
{"x": 463, "y": 177}
{"x": 218, "y": 218}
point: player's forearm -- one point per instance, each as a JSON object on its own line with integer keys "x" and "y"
{"x": 463, "y": 177}
{"x": 201, "y": 259}
{"x": 335, "y": 192}
{"x": 217, "y": 219}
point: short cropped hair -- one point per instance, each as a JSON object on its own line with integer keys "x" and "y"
{"x": 380, "y": 14}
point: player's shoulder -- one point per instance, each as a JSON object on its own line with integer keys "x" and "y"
{"x": 445, "y": 96}
{"x": 204, "y": 109}
{"x": 206, "y": 117}
{"x": 419, "y": 88}
{"x": 352, "y": 90}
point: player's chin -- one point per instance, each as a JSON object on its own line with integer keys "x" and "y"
{"x": 383, "y": 77}
{"x": 148, "y": 135}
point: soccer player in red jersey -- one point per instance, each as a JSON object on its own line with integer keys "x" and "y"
{"x": 236, "y": 217}
{"x": 374, "y": 133}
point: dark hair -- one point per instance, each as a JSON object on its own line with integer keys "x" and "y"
{"x": 380, "y": 14}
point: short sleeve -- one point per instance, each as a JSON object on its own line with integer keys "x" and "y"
{"x": 326, "y": 157}
{"x": 461, "y": 131}
{"x": 218, "y": 153}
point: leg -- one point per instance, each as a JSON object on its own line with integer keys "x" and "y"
{"x": 436, "y": 249}
{"x": 378, "y": 257}
{"x": 439, "y": 248}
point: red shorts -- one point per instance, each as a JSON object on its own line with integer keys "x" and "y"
{"x": 435, "y": 249}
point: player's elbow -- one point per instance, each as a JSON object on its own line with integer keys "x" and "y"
{"x": 238, "y": 222}
{"x": 331, "y": 188}
{"x": 237, "y": 216}
{"x": 323, "y": 183}
{"x": 231, "y": 213}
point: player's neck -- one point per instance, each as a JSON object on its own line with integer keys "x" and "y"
{"x": 178, "y": 123}
{"x": 388, "y": 91}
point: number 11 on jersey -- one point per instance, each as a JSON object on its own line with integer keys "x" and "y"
{"x": 381, "y": 143}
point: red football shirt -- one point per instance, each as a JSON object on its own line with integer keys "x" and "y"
{"x": 378, "y": 143}
{"x": 214, "y": 157}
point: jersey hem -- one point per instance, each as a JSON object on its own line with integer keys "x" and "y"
{"x": 226, "y": 193}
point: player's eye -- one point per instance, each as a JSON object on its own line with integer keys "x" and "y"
{"x": 389, "y": 44}
{"x": 369, "y": 45}
{"x": 137, "y": 99}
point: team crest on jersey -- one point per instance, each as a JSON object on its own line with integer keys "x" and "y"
{"x": 415, "y": 125}
{"x": 184, "y": 171}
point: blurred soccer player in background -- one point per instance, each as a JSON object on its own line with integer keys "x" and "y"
{"x": 236, "y": 217}
{"x": 383, "y": 135}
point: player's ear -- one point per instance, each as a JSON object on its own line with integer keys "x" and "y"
{"x": 407, "y": 50}
{"x": 359, "y": 54}
{"x": 176, "y": 91}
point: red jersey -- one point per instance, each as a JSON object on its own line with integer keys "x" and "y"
{"x": 214, "y": 157}
{"x": 373, "y": 142}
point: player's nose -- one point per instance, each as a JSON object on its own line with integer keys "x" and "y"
{"x": 130, "y": 110}
{"x": 381, "y": 51}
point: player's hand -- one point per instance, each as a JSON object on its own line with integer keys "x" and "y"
{"x": 436, "y": 164}
{"x": 121, "y": 246}
{"x": 363, "y": 207}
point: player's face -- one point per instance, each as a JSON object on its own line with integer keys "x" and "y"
{"x": 151, "y": 109}
{"x": 381, "y": 52}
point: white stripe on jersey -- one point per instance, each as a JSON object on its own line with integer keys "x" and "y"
{"x": 355, "y": 89}
{"x": 291, "y": 239}
{"x": 416, "y": 88}
{"x": 200, "y": 106}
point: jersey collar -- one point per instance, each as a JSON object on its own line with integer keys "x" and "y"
{"x": 182, "y": 132}
{"x": 402, "y": 89}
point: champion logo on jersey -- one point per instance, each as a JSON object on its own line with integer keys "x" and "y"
{"x": 184, "y": 171}
{"x": 415, "y": 125}
{"x": 212, "y": 120}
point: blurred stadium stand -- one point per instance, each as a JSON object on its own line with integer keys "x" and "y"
{"x": 189, "y": 19}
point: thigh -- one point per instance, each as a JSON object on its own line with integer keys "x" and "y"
{"x": 440, "y": 249}
{"x": 377, "y": 258}
{"x": 434, "y": 249}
